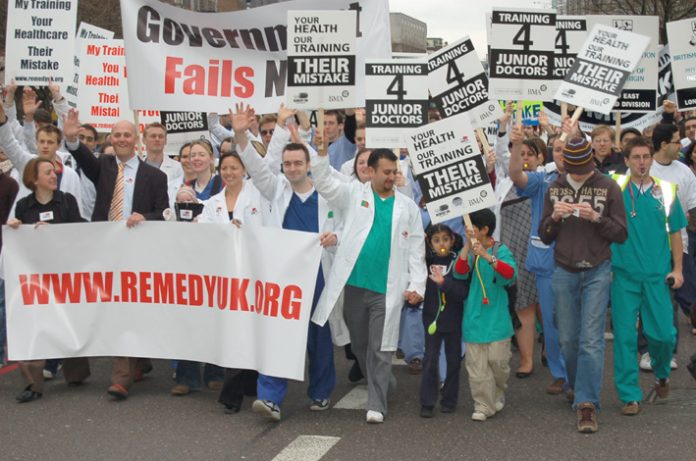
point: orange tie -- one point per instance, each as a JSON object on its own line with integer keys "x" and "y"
{"x": 116, "y": 210}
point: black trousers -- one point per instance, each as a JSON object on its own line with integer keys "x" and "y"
{"x": 430, "y": 377}
{"x": 237, "y": 384}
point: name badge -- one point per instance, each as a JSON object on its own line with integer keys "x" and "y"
{"x": 186, "y": 214}
{"x": 46, "y": 216}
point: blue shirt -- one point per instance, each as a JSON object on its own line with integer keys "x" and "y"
{"x": 340, "y": 151}
{"x": 302, "y": 216}
{"x": 538, "y": 183}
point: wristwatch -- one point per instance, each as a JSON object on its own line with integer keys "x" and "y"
{"x": 493, "y": 261}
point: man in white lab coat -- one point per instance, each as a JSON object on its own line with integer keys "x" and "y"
{"x": 379, "y": 263}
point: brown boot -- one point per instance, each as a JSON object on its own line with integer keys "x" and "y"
{"x": 180, "y": 389}
{"x": 556, "y": 387}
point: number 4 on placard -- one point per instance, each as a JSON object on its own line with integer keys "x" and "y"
{"x": 396, "y": 88}
{"x": 561, "y": 42}
{"x": 522, "y": 37}
{"x": 454, "y": 75}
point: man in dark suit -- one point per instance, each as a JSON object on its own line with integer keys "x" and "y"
{"x": 127, "y": 189}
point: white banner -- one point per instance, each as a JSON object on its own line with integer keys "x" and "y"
{"x": 40, "y": 41}
{"x": 601, "y": 68}
{"x": 639, "y": 94}
{"x": 458, "y": 84}
{"x": 321, "y": 59}
{"x": 522, "y": 54}
{"x": 450, "y": 168}
{"x": 204, "y": 292}
{"x": 86, "y": 31}
{"x": 682, "y": 47}
{"x": 396, "y": 100}
{"x": 179, "y": 59}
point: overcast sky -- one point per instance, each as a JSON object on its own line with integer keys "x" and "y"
{"x": 453, "y": 19}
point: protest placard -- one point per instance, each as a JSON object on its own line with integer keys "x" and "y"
{"x": 521, "y": 58}
{"x": 105, "y": 294}
{"x": 639, "y": 94}
{"x": 458, "y": 84}
{"x": 571, "y": 32}
{"x": 205, "y": 60}
{"x": 183, "y": 127}
{"x": 40, "y": 41}
{"x": 665, "y": 83}
{"x": 601, "y": 68}
{"x": 102, "y": 90}
{"x": 321, "y": 59}
{"x": 86, "y": 31}
{"x": 396, "y": 100}
{"x": 682, "y": 46}
{"x": 450, "y": 169}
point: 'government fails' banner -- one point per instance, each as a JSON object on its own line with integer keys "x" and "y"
{"x": 203, "y": 292}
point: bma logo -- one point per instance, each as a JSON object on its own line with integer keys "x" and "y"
{"x": 335, "y": 98}
{"x": 624, "y": 24}
{"x": 569, "y": 93}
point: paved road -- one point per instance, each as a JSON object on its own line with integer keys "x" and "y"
{"x": 82, "y": 423}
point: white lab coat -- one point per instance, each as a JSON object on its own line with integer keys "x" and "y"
{"x": 172, "y": 169}
{"x": 249, "y": 209}
{"x": 407, "y": 269}
{"x": 277, "y": 191}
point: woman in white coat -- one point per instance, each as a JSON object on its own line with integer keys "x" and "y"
{"x": 238, "y": 201}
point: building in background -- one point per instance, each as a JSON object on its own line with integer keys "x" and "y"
{"x": 210, "y": 6}
{"x": 434, "y": 43}
{"x": 408, "y": 34}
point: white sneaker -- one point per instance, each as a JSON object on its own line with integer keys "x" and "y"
{"x": 673, "y": 363}
{"x": 267, "y": 409}
{"x": 47, "y": 375}
{"x": 479, "y": 416}
{"x": 645, "y": 364}
{"x": 500, "y": 404}
{"x": 320, "y": 405}
{"x": 374, "y": 417}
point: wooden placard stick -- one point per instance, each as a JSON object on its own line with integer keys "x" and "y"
{"x": 575, "y": 118}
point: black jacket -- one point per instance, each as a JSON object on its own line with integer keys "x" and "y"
{"x": 455, "y": 292}
{"x": 150, "y": 197}
{"x": 63, "y": 207}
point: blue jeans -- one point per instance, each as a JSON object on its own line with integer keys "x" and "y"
{"x": 412, "y": 333}
{"x": 189, "y": 373}
{"x": 3, "y": 326}
{"x": 581, "y": 307}
{"x": 557, "y": 364}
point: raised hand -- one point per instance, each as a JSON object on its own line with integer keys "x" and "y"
{"x": 30, "y": 102}
{"x": 284, "y": 113}
{"x": 71, "y": 125}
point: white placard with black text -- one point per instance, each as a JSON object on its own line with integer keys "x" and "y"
{"x": 682, "y": 47}
{"x": 458, "y": 84}
{"x": 521, "y": 56}
{"x": 321, "y": 59}
{"x": 450, "y": 169}
{"x": 396, "y": 100}
{"x": 601, "y": 68}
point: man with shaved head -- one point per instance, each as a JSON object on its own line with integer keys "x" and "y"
{"x": 128, "y": 189}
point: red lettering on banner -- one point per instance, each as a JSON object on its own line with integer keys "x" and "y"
{"x": 35, "y": 288}
{"x": 221, "y": 293}
{"x": 100, "y": 284}
{"x": 258, "y": 298}
{"x": 181, "y": 289}
{"x": 270, "y": 305}
{"x": 213, "y": 80}
{"x": 129, "y": 289}
{"x": 209, "y": 288}
{"x": 163, "y": 285}
{"x": 66, "y": 286}
{"x": 292, "y": 302}
{"x": 145, "y": 286}
{"x": 238, "y": 291}
{"x": 195, "y": 283}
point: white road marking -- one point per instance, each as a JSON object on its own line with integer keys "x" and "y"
{"x": 307, "y": 448}
{"x": 356, "y": 399}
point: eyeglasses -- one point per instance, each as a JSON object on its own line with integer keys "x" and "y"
{"x": 265, "y": 132}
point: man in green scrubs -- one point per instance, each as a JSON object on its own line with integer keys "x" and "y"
{"x": 642, "y": 274}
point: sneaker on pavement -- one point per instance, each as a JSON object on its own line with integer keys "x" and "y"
{"x": 587, "y": 418}
{"x": 478, "y": 416}
{"x": 48, "y": 375}
{"x": 631, "y": 409}
{"x": 118, "y": 392}
{"x": 415, "y": 366}
{"x": 426, "y": 412}
{"x": 556, "y": 387}
{"x": 180, "y": 389}
{"x": 673, "y": 363}
{"x": 662, "y": 388}
{"x": 320, "y": 405}
{"x": 267, "y": 409}
{"x": 500, "y": 404}
{"x": 645, "y": 364}
{"x": 374, "y": 417}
